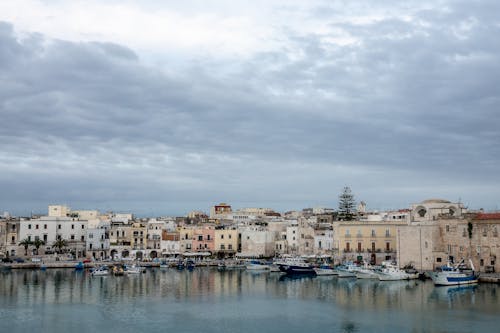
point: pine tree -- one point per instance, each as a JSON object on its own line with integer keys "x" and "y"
{"x": 346, "y": 205}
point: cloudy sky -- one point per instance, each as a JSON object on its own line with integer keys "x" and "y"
{"x": 163, "y": 107}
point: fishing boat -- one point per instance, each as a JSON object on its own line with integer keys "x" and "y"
{"x": 449, "y": 275}
{"x": 79, "y": 266}
{"x": 295, "y": 265}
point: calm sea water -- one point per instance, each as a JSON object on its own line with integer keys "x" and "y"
{"x": 205, "y": 300}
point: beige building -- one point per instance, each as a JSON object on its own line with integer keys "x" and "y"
{"x": 186, "y": 239}
{"x": 371, "y": 241}
{"x": 226, "y": 242}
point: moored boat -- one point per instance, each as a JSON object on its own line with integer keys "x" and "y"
{"x": 390, "y": 272}
{"x": 347, "y": 270}
{"x": 449, "y": 275}
{"x": 100, "y": 271}
{"x": 324, "y": 270}
{"x": 257, "y": 265}
{"x": 295, "y": 266}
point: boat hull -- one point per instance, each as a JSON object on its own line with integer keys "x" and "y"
{"x": 441, "y": 279}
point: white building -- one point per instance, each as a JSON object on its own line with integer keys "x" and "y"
{"x": 98, "y": 243}
{"x": 50, "y": 228}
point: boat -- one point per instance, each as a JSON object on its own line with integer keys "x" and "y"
{"x": 366, "y": 272}
{"x": 389, "y": 271}
{"x": 450, "y": 275}
{"x": 79, "y": 266}
{"x": 325, "y": 270}
{"x": 295, "y": 266}
{"x": 134, "y": 269}
{"x": 257, "y": 265}
{"x": 100, "y": 271}
{"x": 347, "y": 270}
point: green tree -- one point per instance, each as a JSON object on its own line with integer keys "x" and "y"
{"x": 37, "y": 243}
{"x": 59, "y": 245}
{"x": 347, "y": 205}
{"x": 26, "y": 244}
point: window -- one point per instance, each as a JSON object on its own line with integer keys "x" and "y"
{"x": 373, "y": 232}
{"x": 83, "y": 226}
{"x": 359, "y": 246}
{"x": 59, "y": 226}
{"x": 229, "y": 236}
{"x": 347, "y": 232}
{"x": 302, "y": 236}
{"x": 36, "y": 226}
{"x": 208, "y": 237}
{"x": 72, "y": 237}
{"x": 426, "y": 245}
{"x": 447, "y": 228}
{"x": 29, "y": 226}
{"x": 200, "y": 237}
{"x": 13, "y": 240}
{"x": 387, "y": 246}
{"x": 319, "y": 244}
{"x": 91, "y": 236}
{"x": 438, "y": 259}
{"x": 230, "y": 246}
{"x": 29, "y": 238}
{"x": 464, "y": 233}
{"x": 387, "y": 233}
{"x": 373, "y": 246}
{"x": 347, "y": 247}
{"x": 90, "y": 246}
{"x": 294, "y": 231}
{"x": 45, "y": 238}
{"x": 72, "y": 226}
{"x": 307, "y": 244}
{"x": 222, "y": 247}
{"x": 485, "y": 232}
{"x": 222, "y": 236}
{"x": 45, "y": 226}
{"x": 421, "y": 212}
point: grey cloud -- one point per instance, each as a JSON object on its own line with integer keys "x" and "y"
{"x": 411, "y": 106}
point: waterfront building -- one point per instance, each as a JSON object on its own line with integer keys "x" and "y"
{"x": 98, "y": 243}
{"x": 12, "y": 237}
{"x": 371, "y": 241}
{"x": 324, "y": 239}
{"x": 170, "y": 243}
{"x": 186, "y": 238}
{"x": 52, "y": 228}
{"x": 119, "y": 238}
{"x": 226, "y": 242}
{"x": 154, "y": 234}
{"x": 292, "y": 238}
{"x": 430, "y": 236}
{"x": 204, "y": 239}
{"x": 306, "y": 236}
{"x": 256, "y": 241}
{"x": 138, "y": 240}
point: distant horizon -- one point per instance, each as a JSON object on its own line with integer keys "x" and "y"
{"x": 157, "y": 212}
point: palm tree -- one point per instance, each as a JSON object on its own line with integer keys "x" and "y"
{"x": 59, "y": 245}
{"x": 37, "y": 243}
{"x": 26, "y": 243}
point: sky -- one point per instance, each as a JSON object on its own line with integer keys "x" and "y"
{"x": 160, "y": 108}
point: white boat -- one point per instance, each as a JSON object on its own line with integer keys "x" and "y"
{"x": 366, "y": 272}
{"x": 325, "y": 270}
{"x": 347, "y": 270}
{"x": 134, "y": 269}
{"x": 449, "y": 275}
{"x": 256, "y": 265}
{"x": 100, "y": 271}
{"x": 390, "y": 272}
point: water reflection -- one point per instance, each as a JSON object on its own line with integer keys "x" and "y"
{"x": 238, "y": 301}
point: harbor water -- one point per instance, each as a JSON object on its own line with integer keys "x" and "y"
{"x": 206, "y": 300}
